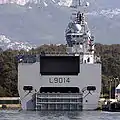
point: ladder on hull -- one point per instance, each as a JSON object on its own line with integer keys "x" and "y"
{"x": 59, "y": 101}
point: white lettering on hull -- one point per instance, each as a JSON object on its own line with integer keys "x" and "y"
{"x": 59, "y": 80}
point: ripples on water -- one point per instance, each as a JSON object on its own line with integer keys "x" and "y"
{"x": 32, "y": 115}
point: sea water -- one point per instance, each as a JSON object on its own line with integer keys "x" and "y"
{"x": 32, "y": 115}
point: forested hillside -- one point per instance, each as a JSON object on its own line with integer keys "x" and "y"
{"x": 110, "y": 56}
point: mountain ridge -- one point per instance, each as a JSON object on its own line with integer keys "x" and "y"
{"x": 6, "y": 43}
{"x": 42, "y": 24}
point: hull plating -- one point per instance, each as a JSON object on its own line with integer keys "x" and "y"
{"x": 29, "y": 74}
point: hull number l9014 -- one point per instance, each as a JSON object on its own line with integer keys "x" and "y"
{"x": 59, "y": 80}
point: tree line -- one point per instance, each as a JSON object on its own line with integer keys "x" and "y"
{"x": 110, "y": 57}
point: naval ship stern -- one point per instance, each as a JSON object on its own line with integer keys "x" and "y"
{"x": 70, "y": 81}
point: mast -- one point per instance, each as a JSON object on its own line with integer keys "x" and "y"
{"x": 79, "y": 2}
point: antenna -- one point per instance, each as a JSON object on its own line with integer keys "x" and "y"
{"x": 79, "y": 2}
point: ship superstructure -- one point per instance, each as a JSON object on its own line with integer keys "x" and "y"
{"x": 79, "y": 38}
{"x": 69, "y": 81}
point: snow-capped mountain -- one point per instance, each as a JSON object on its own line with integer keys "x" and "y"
{"x": 108, "y": 13}
{"x": 99, "y": 4}
{"x": 24, "y": 2}
{"x": 6, "y": 43}
{"x": 45, "y": 21}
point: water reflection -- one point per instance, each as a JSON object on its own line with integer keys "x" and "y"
{"x": 58, "y": 115}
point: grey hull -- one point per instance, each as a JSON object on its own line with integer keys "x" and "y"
{"x": 29, "y": 74}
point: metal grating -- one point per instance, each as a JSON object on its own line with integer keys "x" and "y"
{"x": 59, "y": 101}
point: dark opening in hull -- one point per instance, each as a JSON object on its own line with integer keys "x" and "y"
{"x": 59, "y": 89}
